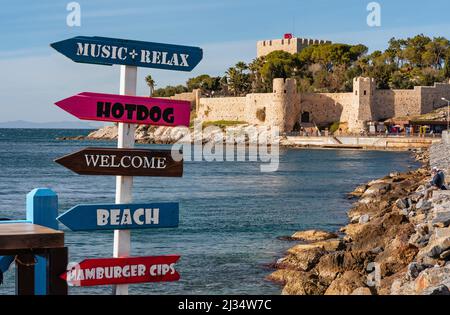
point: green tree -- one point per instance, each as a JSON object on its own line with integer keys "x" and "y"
{"x": 151, "y": 83}
{"x": 238, "y": 79}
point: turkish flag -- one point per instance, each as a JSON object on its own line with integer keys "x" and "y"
{"x": 287, "y": 36}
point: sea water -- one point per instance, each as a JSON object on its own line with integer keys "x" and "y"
{"x": 232, "y": 216}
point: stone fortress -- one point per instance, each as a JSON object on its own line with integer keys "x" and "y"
{"x": 291, "y": 45}
{"x": 285, "y": 107}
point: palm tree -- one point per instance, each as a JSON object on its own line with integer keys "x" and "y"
{"x": 232, "y": 80}
{"x": 151, "y": 83}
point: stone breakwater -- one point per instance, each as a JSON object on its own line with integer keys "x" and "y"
{"x": 396, "y": 243}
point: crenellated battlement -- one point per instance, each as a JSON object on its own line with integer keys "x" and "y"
{"x": 291, "y": 45}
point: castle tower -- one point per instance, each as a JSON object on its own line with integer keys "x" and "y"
{"x": 363, "y": 93}
{"x": 290, "y": 45}
{"x": 285, "y": 107}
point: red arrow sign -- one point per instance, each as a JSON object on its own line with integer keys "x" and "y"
{"x": 108, "y": 271}
{"x": 127, "y": 109}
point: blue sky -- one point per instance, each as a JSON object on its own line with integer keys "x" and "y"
{"x": 34, "y": 76}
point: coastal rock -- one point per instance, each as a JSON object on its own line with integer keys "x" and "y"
{"x": 431, "y": 278}
{"x": 441, "y": 232}
{"x": 362, "y": 291}
{"x": 414, "y": 269}
{"x": 352, "y": 230}
{"x": 438, "y": 290}
{"x": 445, "y": 255}
{"x": 298, "y": 282}
{"x": 333, "y": 264}
{"x": 364, "y": 219}
{"x": 394, "y": 174}
{"x": 302, "y": 260}
{"x": 107, "y": 133}
{"x": 359, "y": 191}
{"x": 402, "y": 203}
{"x": 313, "y": 235}
{"x": 418, "y": 240}
{"x": 377, "y": 189}
{"x": 379, "y": 231}
{"x": 442, "y": 219}
{"x": 328, "y": 245}
{"x": 346, "y": 284}
{"x": 401, "y": 287}
{"x": 424, "y": 205}
{"x": 437, "y": 247}
{"x": 396, "y": 256}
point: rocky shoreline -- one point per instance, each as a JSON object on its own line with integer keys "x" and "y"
{"x": 242, "y": 134}
{"x": 396, "y": 243}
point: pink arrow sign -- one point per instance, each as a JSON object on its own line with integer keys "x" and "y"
{"x": 127, "y": 109}
{"x": 107, "y": 271}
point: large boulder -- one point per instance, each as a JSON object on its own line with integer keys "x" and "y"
{"x": 331, "y": 265}
{"x": 313, "y": 235}
{"x": 377, "y": 189}
{"x": 298, "y": 282}
{"x": 328, "y": 245}
{"x": 362, "y": 291}
{"x": 397, "y": 255}
{"x": 301, "y": 260}
{"x": 432, "y": 277}
{"x": 346, "y": 284}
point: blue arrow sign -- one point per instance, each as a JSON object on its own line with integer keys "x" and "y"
{"x": 109, "y": 51}
{"x": 121, "y": 216}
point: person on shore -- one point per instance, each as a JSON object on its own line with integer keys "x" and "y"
{"x": 437, "y": 182}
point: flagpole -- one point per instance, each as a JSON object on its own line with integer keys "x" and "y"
{"x": 124, "y": 184}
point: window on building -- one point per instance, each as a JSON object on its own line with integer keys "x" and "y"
{"x": 282, "y": 42}
{"x": 356, "y": 92}
{"x": 365, "y": 92}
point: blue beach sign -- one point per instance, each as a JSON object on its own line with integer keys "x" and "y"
{"x": 109, "y": 51}
{"x": 121, "y": 216}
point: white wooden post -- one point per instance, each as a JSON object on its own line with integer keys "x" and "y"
{"x": 124, "y": 184}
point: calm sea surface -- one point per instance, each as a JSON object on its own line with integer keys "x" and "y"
{"x": 231, "y": 214}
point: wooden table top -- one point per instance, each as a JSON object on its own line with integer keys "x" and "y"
{"x": 29, "y": 236}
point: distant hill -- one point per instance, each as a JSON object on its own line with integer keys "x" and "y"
{"x": 51, "y": 125}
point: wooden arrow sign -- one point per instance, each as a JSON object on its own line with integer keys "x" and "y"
{"x": 109, "y": 51}
{"x": 121, "y": 216}
{"x": 123, "y": 162}
{"x": 108, "y": 271}
{"x": 127, "y": 109}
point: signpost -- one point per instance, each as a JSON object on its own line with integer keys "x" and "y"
{"x": 109, "y": 51}
{"x": 123, "y": 162}
{"x": 127, "y": 109}
{"x": 121, "y": 217}
{"x": 125, "y": 270}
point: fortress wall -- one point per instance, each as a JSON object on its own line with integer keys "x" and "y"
{"x": 383, "y": 104}
{"x": 431, "y": 96}
{"x": 406, "y": 102}
{"x": 325, "y": 108}
{"x": 223, "y": 108}
{"x": 255, "y": 102}
{"x": 396, "y": 103}
{"x": 283, "y": 107}
{"x": 186, "y": 96}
